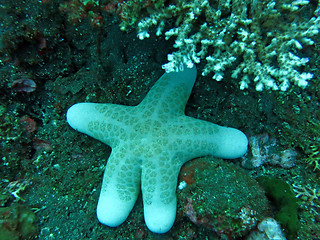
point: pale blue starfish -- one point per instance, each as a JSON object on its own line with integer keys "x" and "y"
{"x": 150, "y": 142}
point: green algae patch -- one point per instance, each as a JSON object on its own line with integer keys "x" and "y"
{"x": 282, "y": 196}
{"x": 221, "y": 197}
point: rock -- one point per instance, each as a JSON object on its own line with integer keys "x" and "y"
{"x": 221, "y": 197}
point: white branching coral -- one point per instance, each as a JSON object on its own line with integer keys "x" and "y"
{"x": 257, "y": 42}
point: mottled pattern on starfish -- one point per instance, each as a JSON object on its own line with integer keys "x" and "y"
{"x": 150, "y": 142}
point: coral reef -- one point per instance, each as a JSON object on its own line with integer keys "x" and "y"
{"x": 282, "y": 196}
{"x": 310, "y": 197}
{"x": 269, "y": 229}
{"x": 309, "y": 206}
{"x": 259, "y": 41}
{"x": 313, "y": 158}
{"x": 266, "y": 150}
{"x": 18, "y": 222}
{"x": 56, "y": 53}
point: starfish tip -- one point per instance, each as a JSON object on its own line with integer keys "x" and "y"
{"x": 73, "y": 115}
{"x": 112, "y": 212}
{"x": 160, "y": 217}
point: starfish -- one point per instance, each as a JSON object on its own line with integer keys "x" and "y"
{"x": 150, "y": 142}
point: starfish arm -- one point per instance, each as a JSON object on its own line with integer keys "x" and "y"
{"x": 120, "y": 188}
{"x": 203, "y": 138}
{"x": 105, "y": 122}
{"x": 228, "y": 143}
{"x": 170, "y": 93}
{"x": 158, "y": 185}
